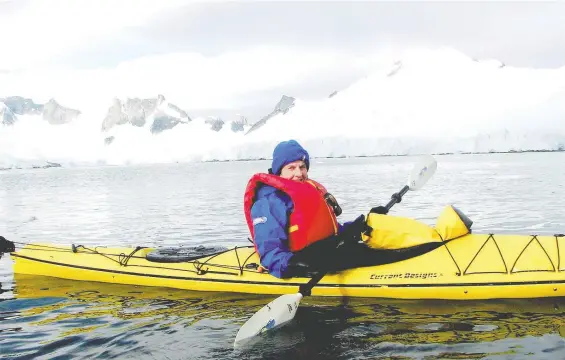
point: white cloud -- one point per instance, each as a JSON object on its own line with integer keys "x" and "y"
{"x": 41, "y": 30}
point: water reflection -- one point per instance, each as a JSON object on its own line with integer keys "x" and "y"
{"x": 53, "y": 316}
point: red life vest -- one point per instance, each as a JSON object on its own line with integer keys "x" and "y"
{"x": 311, "y": 220}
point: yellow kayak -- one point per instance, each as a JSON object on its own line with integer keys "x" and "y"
{"x": 472, "y": 266}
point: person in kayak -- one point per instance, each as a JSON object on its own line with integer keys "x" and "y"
{"x": 292, "y": 218}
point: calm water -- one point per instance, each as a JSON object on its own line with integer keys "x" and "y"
{"x": 202, "y": 203}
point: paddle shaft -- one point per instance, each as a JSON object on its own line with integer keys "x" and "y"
{"x": 306, "y": 289}
{"x": 396, "y": 198}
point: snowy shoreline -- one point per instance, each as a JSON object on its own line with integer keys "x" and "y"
{"x": 56, "y": 165}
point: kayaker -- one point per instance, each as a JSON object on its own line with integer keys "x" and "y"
{"x": 292, "y": 218}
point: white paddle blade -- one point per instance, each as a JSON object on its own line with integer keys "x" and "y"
{"x": 273, "y": 315}
{"x": 422, "y": 172}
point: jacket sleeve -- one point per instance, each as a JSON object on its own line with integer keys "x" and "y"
{"x": 340, "y": 227}
{"x": 270, "y": 222}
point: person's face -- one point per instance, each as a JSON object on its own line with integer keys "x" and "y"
{"x": 295, "y": 170}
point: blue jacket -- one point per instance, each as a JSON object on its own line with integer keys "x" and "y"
{"x": 270, "y": 214}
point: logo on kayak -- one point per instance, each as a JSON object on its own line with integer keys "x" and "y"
{"x": 405, "y": 276}
{"x": 259, "y": 220}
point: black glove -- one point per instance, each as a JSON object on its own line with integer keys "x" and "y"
{"x": 6, "y": 246}
{"x": 297, "y": 268}
{"x": 379, "y": 210}
{"x": 351, "y": 232}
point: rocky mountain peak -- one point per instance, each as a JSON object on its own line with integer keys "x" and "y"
{"x": 52, "y": 112}
{"x": 283, "y": 106}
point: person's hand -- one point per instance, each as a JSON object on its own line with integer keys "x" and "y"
{"x": 351, "y": 231}
{"x": 379, "y": 210}
{"x": 297, "y": 268}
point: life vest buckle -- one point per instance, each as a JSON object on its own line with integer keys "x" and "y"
{"x": 331, "y": 200}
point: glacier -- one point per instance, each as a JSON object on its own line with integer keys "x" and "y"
{"x": 428, "y": 101}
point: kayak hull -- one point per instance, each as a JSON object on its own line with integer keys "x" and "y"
{"x": 472, "y": 267}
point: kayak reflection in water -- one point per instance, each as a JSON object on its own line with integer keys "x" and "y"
{"x": 293, "y": 219}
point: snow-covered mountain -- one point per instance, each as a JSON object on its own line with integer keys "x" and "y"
{"x": 157, "y": 113}
{"x": 282, "y": 107}
{"x": 240, "y": 124}
{"x": 431, "y": 101}
{"x": 22, "y": 106}
{"x": 52, "y": 112}
{"x": 7, "y": 116}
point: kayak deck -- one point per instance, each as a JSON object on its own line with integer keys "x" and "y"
{"x": 474, "y": 266}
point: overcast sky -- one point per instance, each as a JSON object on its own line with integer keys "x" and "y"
{"x": 75, "y": 34}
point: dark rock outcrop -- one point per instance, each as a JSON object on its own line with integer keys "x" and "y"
{"x": 109, "y": 140}
{"x": 7, "y": 116}
{"x": 47, "y": 165}
{"x": 215, "y": 122}
{"x": 55, "y": 114}
{"x": 283, "y": 106}
{"x": 162, "y": 122}
{"x": 22, "y": 106}
{"x": 52, "y": 112}
{"x": 138, "y": 112}
{"x": 239, "y": 125}
{"x": 396, "y": 68}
